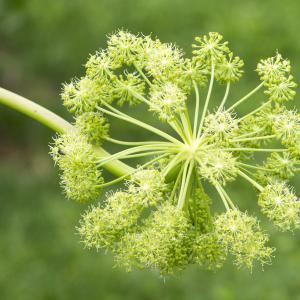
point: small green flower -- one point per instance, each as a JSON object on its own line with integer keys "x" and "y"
{"x": 241, "y": 235}
{"x": 282, "y": 90}
{"x": 217, "y": 166}
{"x": 127, "y": 87}
{"x": 229, "y": 69}
{"x": 210, "y": 47}
{"x": 220, "y": 126}
{"x": 167, "y": 100}
{"x": 80, "y": 178}
{"x": 94, "y": 126}
{"x": 209, "y": 252}
{"x": 273, "y": 69}
{"x": 286, "y": 126}
{"x": 84, "y": 95}
{"x": 279, "y": 203}
{"x": 162, "y": 244}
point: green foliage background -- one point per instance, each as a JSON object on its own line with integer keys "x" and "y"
{"x": 44, "y": 43}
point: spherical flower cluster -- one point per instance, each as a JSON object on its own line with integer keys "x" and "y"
{"x": 162, "y": 244}
{"x": 229, "y": 69}
{"x": 217, "y": 166}
{"x": 98, "y": 65}
{"x": 220, "y": 126}
{"x": 161, "y": 218}
{"x": 241, "y": 235}
{"x": 101, "y": 227}
{"x": 94, "y": 126}
{"x": 275, "y": 74}
{"x": 287, "y": 126}
{"x": 279, "y": 203}
{"x": 277, "y": 165}
{"x": 273, "y": 68}
{"x": 75, "y": 157}
{"x": 123, "y": 46}
{"x": 127, "y": 87}
{"x": 208, "y": 251}
{"x": 210, "y": 47}
{"x": 282, "y": 91}
{"x": 148, "y": 186}
{"x": 83, "y": 95}
{"x": 163, "y": 61}
{"x": 167, "y": 101}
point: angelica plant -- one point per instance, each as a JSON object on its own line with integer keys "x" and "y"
{"x": 162, "y": 218}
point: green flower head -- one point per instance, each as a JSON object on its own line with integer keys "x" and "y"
{"x": 80, "y": 178}
{"x": 279, "y": 203}
{"x": 240, "y": 234}
{"x": 162, "y": 216}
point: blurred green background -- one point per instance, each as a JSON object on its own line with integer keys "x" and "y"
{"x": 45, "y": 43}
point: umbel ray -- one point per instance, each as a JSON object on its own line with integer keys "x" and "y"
{"x": 162, "y": 217}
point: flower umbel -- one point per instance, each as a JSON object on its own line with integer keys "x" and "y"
{"x": 162, "y": 218}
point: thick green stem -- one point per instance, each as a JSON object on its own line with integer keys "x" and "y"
{"x": 34, "y": 111}
{"x": 58, "y": 124}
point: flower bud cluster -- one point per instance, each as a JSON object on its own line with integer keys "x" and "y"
{"x": 102, "y": 227}
{"x": 127, "y": 87}
{"x": 84, "y": 95}
{"x": 286, "y": 127}
{"x": 275, "y": 74}
{"x": 220, "y": 126}
{"x": 162, "y": 244}
{"x": 94, "y": 126}
{"x": 76, "y": 159}
{"x": 229, "y": 68}
{"x": 241, "y": 235}
{"x": 211, "y": 50}
{"x": 278, "y": 166}
{"x": 167, "y": 101}
{"x": 218, "y": 166}
{"x": 210, "y": 47}
{"x": 279, "y": 203}
{"x": 208, "y": 251}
